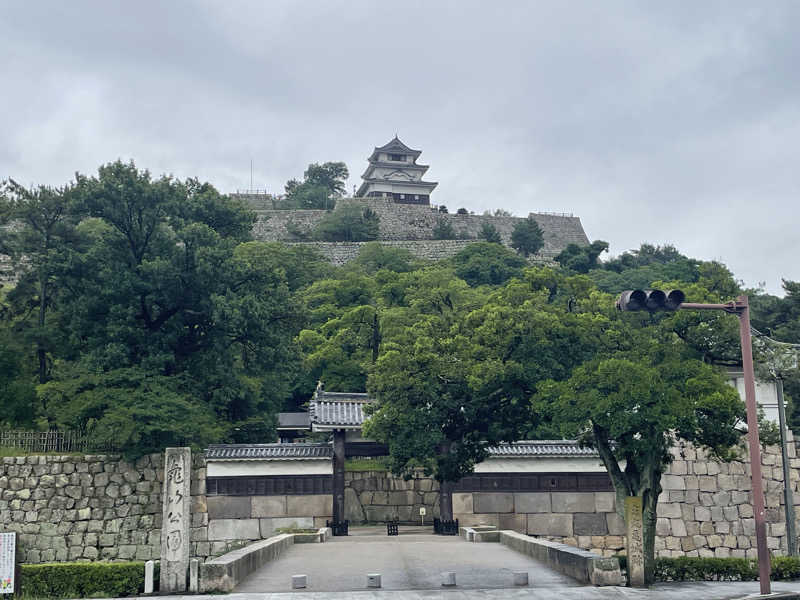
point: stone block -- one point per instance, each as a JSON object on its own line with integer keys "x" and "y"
{"x": 673, "y": 482}
{"x": 233, "y": 529}
{"x": 515, "y": 521}
{"x": 313, "y": 505}
{"x": 678, "y": 527}
{"x": 589, "y": 524}
{"x": 228, "y": 507}
{"x": 293, "y": 522}
{"x": 268, "y": 506}
{"x": 573, "y": 502}
{"x": 670, "y": 511}
{"x": 471, "y": 519}
{"x": 550, "y": 524}
{"x": 493, "y": 502}
{"x": 604, "y": 502}
{"x": 462, "y": 502}
{"x": 532, "y": 502}
{"x": 663, "y": 527}
{"x": 616, "y": 524}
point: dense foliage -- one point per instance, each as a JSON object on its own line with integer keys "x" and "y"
{"x": 348, "y": 224}
{"x": 82, "y": 580}
{"x": 321, "y": 186}
{"x": 687, "y": 568}
{"x": 145, "y": 314}
{"x": 527, "y": 237}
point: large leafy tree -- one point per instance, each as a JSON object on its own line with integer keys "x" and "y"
{"x": 166, "y": 300}
{"x": 349, "y": 223}
{"x": 321, "y": 186}
{"x": 41, "y": 242}
{"x": 527, "y": 237}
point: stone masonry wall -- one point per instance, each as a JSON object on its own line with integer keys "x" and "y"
{"x": 339, "y": 253}
{"x": 705, "y": 509}
{"x": 407, "y": 222}
{"x": 374, "y": 496}
{"x": 91, "y": 507}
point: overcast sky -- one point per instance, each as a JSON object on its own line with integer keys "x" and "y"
{"x": 663, "y": 122}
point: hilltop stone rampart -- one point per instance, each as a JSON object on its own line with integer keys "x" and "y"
{"x": 413, "y": 223}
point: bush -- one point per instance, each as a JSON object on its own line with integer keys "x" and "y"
{"x": 484, "y": 263}
{"x": 490, "y": 234}
{"x": 527, "y": 237}
{"x": 348, "y": 224}
{"x": 443, "y": 230}
{"x": 81, "y": 580}
{"x": 462, "y": 211}
{"x": 686, "y": 568}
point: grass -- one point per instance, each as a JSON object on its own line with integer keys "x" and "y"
{"x": 365, "y": 464}
{"x": 6, "y": 451}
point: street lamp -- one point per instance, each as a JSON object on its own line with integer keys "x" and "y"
{"x": 653, "y": 300}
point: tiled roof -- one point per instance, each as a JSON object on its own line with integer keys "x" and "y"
{"x": 293, "y": 420}
{"x": 344, "y": 412}
{"x": 541, "y": 448}
{"x": 269, "y": 451}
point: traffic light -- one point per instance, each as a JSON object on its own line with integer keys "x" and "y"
{"x": 651, "y": 300}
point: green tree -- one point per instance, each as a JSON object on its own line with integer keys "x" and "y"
{"x": 321, "y": 186}
{"x": 443, "y": 230}
{"x": 485, "y": 263}
{"x": 527, "y": 237}
{"x": 350, "y": 223}
{"x": 634, "y": 409}
{"x": 42, "y": 246}
{"x": 164, "y": 300}
{"x": 490, "y": 234}
{"x": 581, "y": 259}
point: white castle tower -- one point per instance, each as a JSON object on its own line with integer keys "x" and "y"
{"x": 393, "y": 172}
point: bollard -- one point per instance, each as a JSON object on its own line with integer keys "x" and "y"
{"x": 149, "y": 568}
{"x": 373, "y": 580}
{"x": 520, "y": 578}
{"x": 449, "y": 578}
{"x": 194, "y": 576}
{"x": 299, "y": 581}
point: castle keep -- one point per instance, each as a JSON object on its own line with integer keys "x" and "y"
{"x": 394, "y": 190}
{"x": 393, "y": 173}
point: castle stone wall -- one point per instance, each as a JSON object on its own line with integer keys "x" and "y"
{"x": 407, "y": 222}
{"x": 705, "y": 509}
{"x": 93, "y": 507}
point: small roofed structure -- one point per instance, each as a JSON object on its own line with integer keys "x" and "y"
{"x": 393, "y": 173}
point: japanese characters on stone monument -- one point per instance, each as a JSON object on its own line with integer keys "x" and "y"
{"x": 177, "y": 517}
{"x": 635, "y": 541}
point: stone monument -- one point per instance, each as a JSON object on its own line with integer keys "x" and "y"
{"x": 635, "y": 541}
{"x": 177, "y": 517}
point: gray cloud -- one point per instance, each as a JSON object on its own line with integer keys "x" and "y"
{"x": 661, "y": 122}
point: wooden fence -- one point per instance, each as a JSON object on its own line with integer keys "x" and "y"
{"x": 50, "y": 441}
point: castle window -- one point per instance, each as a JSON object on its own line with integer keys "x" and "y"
{"x": 402, "y": 196}
{"x": 397, "y": 157}
{"x": 416, "y": 197}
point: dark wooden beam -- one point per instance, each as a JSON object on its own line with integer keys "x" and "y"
{"x": 338, "y": 475}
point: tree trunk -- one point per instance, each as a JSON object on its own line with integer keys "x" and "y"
{"x": 40, "y": 351}
{"x": 649, "y": 504}
{"x": 446, "y": 500}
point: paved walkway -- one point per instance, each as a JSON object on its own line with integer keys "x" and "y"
{"x": 410, "y": 561}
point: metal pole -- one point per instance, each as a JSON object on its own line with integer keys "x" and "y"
{"x": 743, "y": 311}
{"x": 788, "y": 500}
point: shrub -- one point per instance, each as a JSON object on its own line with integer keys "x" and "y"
{"x": 462, "y": 211}
{"x": 81, "y": 580}
{"x": 527, "y": 237}
{"x": 443, "y": 230}
{"x": 687, "y": 568}
{"x": 443, "y": 209}
{"x": 483, "y": 263}
{"x": 348, "y": 224}
{"x": 297, "y": 230}
{"x": 490, "y": 234}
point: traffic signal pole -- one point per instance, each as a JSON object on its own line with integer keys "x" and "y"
{"x": 741, "y": 308}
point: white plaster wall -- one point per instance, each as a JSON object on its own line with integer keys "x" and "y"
{"x": 251, "y": 468}
{"x": 541, "y": 465}
{"x": 766, "y": 394}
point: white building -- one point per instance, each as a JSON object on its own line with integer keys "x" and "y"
{"x": 393, "y": 172}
